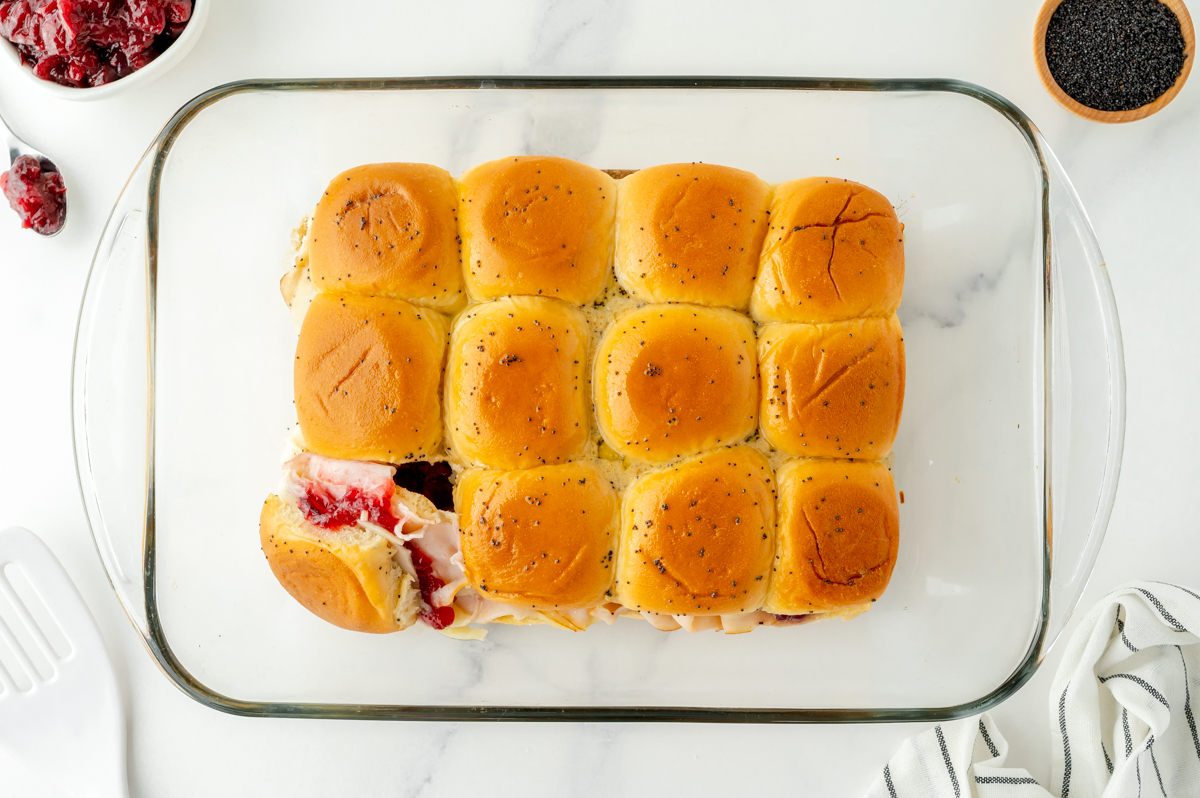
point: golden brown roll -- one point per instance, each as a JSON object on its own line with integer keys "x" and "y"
{"x": 368, "y": 378}
{"x": 389, "y": 229}
{"x": 347, "y": 576}
{"x": 670, "y": 380}
{"x": 539, "y": 538}
{"x": 516, "y": 383}
{"x": 839, "y": 531}
{"x": 832, "y": 390}
{"x": 359, "y": 551}
{"x": 834, "y": 251}
{"x": 697, "y": 538}
{"x": 691, "y": 233}
{"x": 536, "y": 226}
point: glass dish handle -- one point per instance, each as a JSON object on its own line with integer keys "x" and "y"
{"x": 1086, "y": 416}
{"x": 110, "y": 392}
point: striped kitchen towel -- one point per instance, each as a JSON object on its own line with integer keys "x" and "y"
{"x": 1123, "y": 722}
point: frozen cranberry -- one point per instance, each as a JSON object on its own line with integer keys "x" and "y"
{"x": 34, "y": 189}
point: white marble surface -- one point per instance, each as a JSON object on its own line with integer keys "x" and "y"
{"x": 1133, "y": 179}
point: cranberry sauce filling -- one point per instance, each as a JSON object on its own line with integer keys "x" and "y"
{"x": 84, "y": 43}
{"x": 321, "y": 509}
{"x": 431, "y": 480}
{"x": 808, "y": 616}
{"x": 428, "y": 581}
{"x": 34, "y": 189}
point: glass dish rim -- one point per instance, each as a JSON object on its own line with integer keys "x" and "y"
{"x": 156, "y": 642}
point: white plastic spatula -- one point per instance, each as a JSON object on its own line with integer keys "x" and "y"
{"x": 60, "y": 713}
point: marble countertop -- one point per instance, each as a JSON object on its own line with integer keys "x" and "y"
{"x": 1135, "y": 180}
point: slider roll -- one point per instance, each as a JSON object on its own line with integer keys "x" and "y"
{"x": 691, "y": 233}
{"x": 389, "y": 229}
{"x": 347, "y": 577}
{"x": 839, "y": 533}
{"x": 541, "y": 538}
{"x": 516, "y": 383}
{"x": 834, "y": 251}
{"x": 832, "y": 390}
{"x": 536, "y": 226}
{"x": 367, "y": 378}
{"x": 671, "y": 380}
{"x": 697, "y": 538}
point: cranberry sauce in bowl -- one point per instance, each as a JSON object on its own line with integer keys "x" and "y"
{"x": 34, "y": 189}
{"x": 86, "y": 44}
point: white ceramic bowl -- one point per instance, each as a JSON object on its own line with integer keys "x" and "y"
{"x": 173, "y": 55}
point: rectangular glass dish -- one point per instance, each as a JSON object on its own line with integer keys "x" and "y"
{"x": 1007, "y": 455}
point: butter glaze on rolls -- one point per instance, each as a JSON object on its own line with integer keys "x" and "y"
{"x": 516, "y": 383}
{"x": 697, "y": 538}
{"x": 839, "y": 534}
{"x": 691, "y": 233}
{"x": 671, "y": 380}
{"x": 536, "y": 226}
{"x": 674, "y": 517}
{"x": 389, "y": 229}
{"x": 834, "y": 251}
{"x": 367, "y": 378}
{"x": 832, "y": 390}
{"x": 541, "y": 538}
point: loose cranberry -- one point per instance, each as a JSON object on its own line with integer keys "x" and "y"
{"x": 36, "y": 192}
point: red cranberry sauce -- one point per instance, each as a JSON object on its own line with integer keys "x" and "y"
{"x": 428, "y": 581}
{"x": 34, "y": 189}
{"x": 91, "y": 42}
{"x": 321, "y": 508}
{"x": 804, "y": 618}
{"x": 431, "y": 480}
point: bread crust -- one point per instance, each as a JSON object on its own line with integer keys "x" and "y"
{"x": 832, "y": 390}
{"x": 672, "y": 380}
{"x": 834, "y": 251}
{"x": 389, "y": 229}
{"x": 697, "y": 538}
{"x": 354, "y": 586}
{"x": 536, "y": 226}
{"x": 367, "y": 378}
{"x": 839, "y": 535}
{"x": 541, "y": 538}
{"x": 691, "y": 232}
{"x": 517, "y": 383}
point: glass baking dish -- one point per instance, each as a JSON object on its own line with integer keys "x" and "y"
{"x": 1007, "y": 456}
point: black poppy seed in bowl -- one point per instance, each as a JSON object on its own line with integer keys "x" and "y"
{"x": 1114, "y": 55}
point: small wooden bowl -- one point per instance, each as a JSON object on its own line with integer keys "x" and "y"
{"x": 1039, "y": 56}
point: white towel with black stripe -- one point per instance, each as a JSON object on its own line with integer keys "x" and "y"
{"x": 1121, "y": 709}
